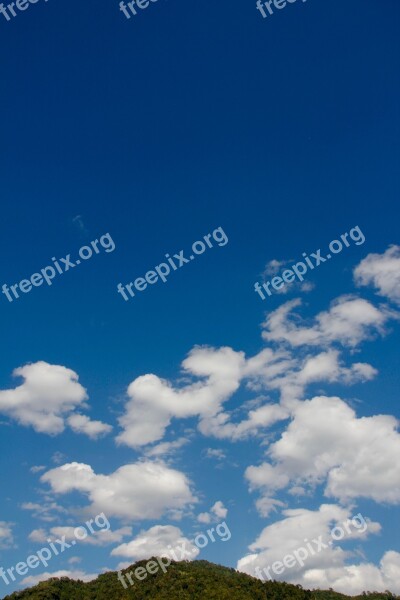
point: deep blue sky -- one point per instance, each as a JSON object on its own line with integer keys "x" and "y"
{"x": 193, "y": 115}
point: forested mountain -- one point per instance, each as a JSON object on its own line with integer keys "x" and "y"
{"x": 198, "y": 580}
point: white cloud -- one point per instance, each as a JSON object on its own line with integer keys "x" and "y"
{"x": 266, "y": 505}
{"x": 47, "y": 396}
{"x": 275, "y": 267}
{"x": 325, "y": 441}
{"x": 154, "y": 402}
{"x": 220, "y": 427}
{"x": 38, "y": 536}
{"x": 356, "y": 578}
{"x": 290, "y": 377}
{"x": 48, "y": 392}
{"x": 58, "y": 457}
{"x": 166, "y": 448}
{"x": 326, "y": 564}
{"x": 349, "y": 321}
{"x": 35, "y": 579}
{"x": 93, "y": 429}
{"x": 204, "y": 517}
{"x": 46, "y": 511}
{"x": 156, "y": 541}
{"x": 217, "y": 512}
{"x": 6, "y": 535}
{"x": 382, "y": 271}
{"x": 325, "y": 367}
{"x": 144, "y": 490}
{"x": 37, "y": 469}
{"x": 220, "y": 372}
{"x": 100, "y": 537}
{"x": 307, "y": 286}
{"x": 216, "y": 453}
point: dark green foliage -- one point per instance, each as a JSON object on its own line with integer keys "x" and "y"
{"x": 199, "y": 580}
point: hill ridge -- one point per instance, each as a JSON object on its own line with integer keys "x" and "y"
{"x": 195, "y": 580}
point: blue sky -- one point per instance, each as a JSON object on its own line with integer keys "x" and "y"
{"x": 158, "y": 130}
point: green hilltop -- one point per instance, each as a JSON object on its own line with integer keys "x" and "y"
{"x": 198, "y": 580}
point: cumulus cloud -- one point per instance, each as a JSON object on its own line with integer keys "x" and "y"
{"x": 216, "y": 374}
{"x": 100, "y": 537}
{"x": 326, "y": 566}
{"x": 288, "y": 534}
{"x": 46, "y": 511}
{"x": 143, "y": 490}
{"x": 154, "y": 401}
{"x": 58, "y": 457}
{"x": 325, "y": 367}
{"x": 93, "y": 429}
{"x": 290, "y": 377}
{"x": 37, "y": 468}
{"x": 156, "y": 541}
{"x": 47, "y": 396}
{"x": 216, "y": 453}
{"x": 219, "y": 426}
{"x": 217, "y": 512}
{"x": 35, "y": 579}
{"x": 166, "y": 448}
{"x": 6, "y": 535}
{"x": 275, "y": 267}
{"x": 382, "y": 271}
{"x": 356, "y": 578}
{"x": 38, "y": 536}
{"x": 349, "y": 321}
{"x": 326, "y": 442}
{"x": 48, "y": 392}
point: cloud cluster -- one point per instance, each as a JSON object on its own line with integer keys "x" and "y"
{"x": 154, "y": 401}
{"x": 139, "y": 491}
{"x": 47, "y": 510}
{"x": 322, "y": 441}
{"x": 356, "y": 578}
{"x": 327, "y": 567}
{"x": 326, "y": 442}
{"x": 6, "y": 535}
{"x": 349, "y": 320}
{"x": 166, "y": 448}
{"x": 216, "y": 513}
{"x": 274, "y": 267}
{"x": 82, "y": 424}
{"x": 382, "y": 271}
{"x": 101, "y": 537}
{"x": 217, "y": 374}
{"x": 48, "y": 395}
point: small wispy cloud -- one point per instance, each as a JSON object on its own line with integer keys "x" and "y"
{"x": 78, "y": 222}
{"x": 274, "y": 267}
